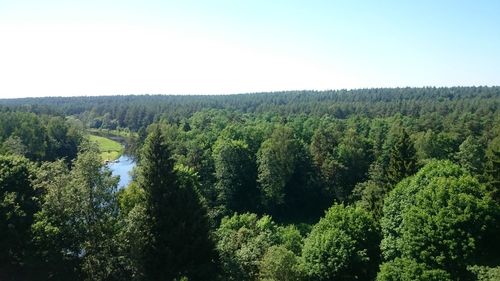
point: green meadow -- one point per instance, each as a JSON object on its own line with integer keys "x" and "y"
{"x": 109, "y": 149}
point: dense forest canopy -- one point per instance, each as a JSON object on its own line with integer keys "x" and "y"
{"x": 372, "y": 184}
{"x": 136, "y": 111}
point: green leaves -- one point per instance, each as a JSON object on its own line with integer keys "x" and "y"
{"x": 180, "y": 244}
{"x": 437, "y": 218}
{"x": 17, "y": 207}
{"x": 343, "y": 244}
{"x": 402, "y": 269}
{"x": 402, "y": 160}
{"x": 236, "y": 174}
{"x": 242, "y": 242}
{"x": 277, "y": 160}
{"x": 74, "y": 231}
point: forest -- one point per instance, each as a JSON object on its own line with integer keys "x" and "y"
{"x": 368, "y": 184}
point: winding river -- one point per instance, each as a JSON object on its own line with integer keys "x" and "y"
{"x": 122, "y": 167}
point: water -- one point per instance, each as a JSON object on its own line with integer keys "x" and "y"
{"x": 122, "y": 168}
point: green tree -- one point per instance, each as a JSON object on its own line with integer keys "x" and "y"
{"x": 484, "y": 273}
{"x": 181, "y": 243}
{"x": 402, "y": 160}
{"x": 342, "y": 246}
{"x": 432, "y": 145}
{"x": 279, "y": 264}
{"x": 242, "y": 241}
{"x": 354, "y": 155}
{"x": 74, "y": 231}
{"x": 276, "y": 164}
{"x": 287, "y": 183}
{"x": 291, "y": 238}
{"x": 409, "y": 270}
{"x": 17, "y": 207}
{"x": 236, "y": 173}
{"x": 492, "y": 167}
{"x": 470, "y": 155}
{"x": 13, "y": 145}
{"x": 439, "y": 218}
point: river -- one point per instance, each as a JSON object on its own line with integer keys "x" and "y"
{"x": 122, "y": 167}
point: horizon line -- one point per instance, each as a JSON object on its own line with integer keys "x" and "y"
{"x": 248, "y": 93}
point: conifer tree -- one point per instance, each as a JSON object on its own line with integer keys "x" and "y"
{"x": 402, "y": 159}
{"x": 180, "y": 245}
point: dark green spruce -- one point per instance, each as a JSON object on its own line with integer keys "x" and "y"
{"x": 180, "y": 244}
{"x": 402, "y": 159}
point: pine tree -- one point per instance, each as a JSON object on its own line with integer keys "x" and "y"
{"x": 402, "y": 159}
{"x": 180, "y": 244}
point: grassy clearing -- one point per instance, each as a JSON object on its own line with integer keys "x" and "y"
{"x": 110, "y": 149}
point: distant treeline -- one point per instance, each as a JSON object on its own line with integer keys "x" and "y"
{"x": 134, "y": 112}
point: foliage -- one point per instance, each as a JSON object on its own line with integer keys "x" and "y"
{"x": 471, "y": 155}
{"x": 243, "y": 239}
{"x": 38, "y": 137}
{"x": 285, "y": 177}
{"x": 288, "y": 154}
{"x": 437, "y": 218}
{"x": 181, "y": 243}
{"x": 342, "y": 245}
{"x": 492, "y": 169}
{"x": 402, "y": 269}
{"x": 279, "y": 264}
{"x": 236, "y": 174}
{"x": 277, "y": 164}
{"x": 402, "y": 160}
{"x": 484, "y": 273}
{"x": 74, "y": 230}
{"x": 17, "y": 207}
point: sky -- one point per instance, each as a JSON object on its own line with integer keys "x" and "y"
{"x": 103, "y": 47}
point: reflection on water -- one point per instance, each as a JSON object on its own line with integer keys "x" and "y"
{"x": 122, "y": 167}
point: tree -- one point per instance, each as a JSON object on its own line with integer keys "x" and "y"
{"x": 492, "y": 169}
{"x": 13, "y": 145}
{"x": 439, "y": 218}
{"x": 279, "y": 264}
{"x": 287, "y": 183}
{"x": 236, "y": 173}
{"x": 242, "y": 241}
{"x": 402, "y": 160}
{"x": 409, "y": 270}
{"x": 181, "y": 245}
{"x": 371, "y": 193}
{"x": 470, "y": 155}
{"x": 354, "y": 155}
{"x": 74, "y": 231}
{"x": 276, "y": 164}
{"x": 323, "y": 148}
{"x": 17, "y": 207}
{"x": 484, "y": 273}
{"x": 432, "y": 145}
{"x": 342, "y": 245}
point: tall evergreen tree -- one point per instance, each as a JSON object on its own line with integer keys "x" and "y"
{"x": 402, "y": 159}
{"x": 180, "y": 244}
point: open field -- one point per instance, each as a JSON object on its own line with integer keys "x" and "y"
{"x": 110, "y": 149}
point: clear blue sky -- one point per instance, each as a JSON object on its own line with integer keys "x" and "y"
{"x": 207, "y": 47}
